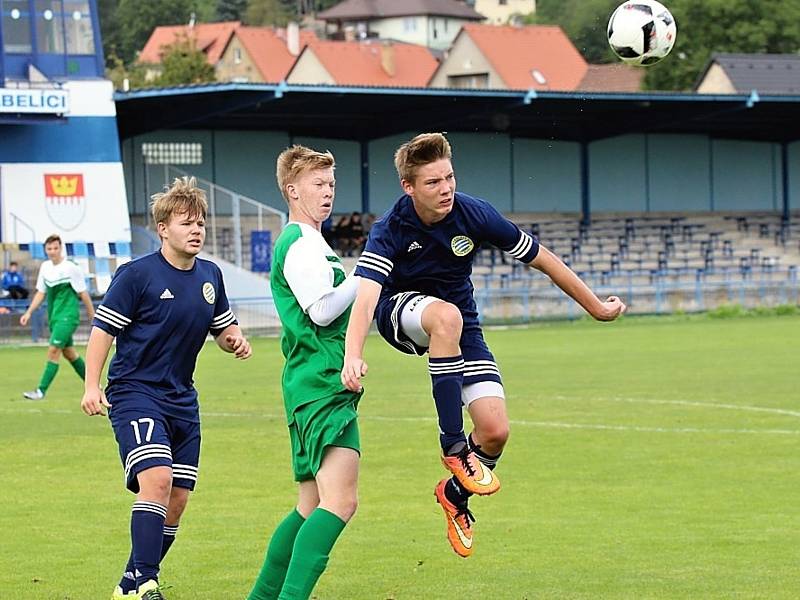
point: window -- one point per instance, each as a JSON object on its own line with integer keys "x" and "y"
{"x": 502, "y": 2}
{"x": 78, "y": 23}
{"x": 474, "y": 80}
{"x": 49, "y": 20}
{"x": 409, "y": 24}
{"x": 16, "y": 26}
{"x": 172, "y": 153}
{"x": 237, "y": 56}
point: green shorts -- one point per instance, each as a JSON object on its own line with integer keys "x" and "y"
{"x": 329, "y": 421}
{"x": 61, "y": 334}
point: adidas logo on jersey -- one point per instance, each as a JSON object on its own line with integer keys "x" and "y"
{"x": 166, "y": 294}
{"x": 414, "y": 246}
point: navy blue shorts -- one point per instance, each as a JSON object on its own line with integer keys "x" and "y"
{"x": 479, "y": 363}
{"x": 147, "y": 438}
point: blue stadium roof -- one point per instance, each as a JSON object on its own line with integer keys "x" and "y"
{"x": 365, "y": 113}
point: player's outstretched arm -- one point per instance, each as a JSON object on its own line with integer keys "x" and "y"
{"x": 94, "y": 400}
{"x": 572, "y": 285}
{"x": 232, "y": 340}
{"x": 361, "y": 314}
{"x": 36, "y": 302}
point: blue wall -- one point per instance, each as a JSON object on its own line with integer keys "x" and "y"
{"x": 746, "y": 175}
{"x": 632, "y": 173}
{"x": 617, "y": 174}
{"x": 679, "y": 168}
{"x": 546, "y": 176}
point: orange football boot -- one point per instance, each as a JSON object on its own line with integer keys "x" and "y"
{"x": 459, "y": 522}
{"x": 471, "y": 473}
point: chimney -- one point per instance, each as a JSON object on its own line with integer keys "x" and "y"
{"x": 293, "y": 38}
{"x": 387, "y": 59}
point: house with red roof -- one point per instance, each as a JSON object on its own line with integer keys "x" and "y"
{"x": 262, "y": 54}
{"x": 539, "y": 57}
{"x": 237, "y": 52}
{"x": 366, "y": 63}
{"x": 210, "y": 38}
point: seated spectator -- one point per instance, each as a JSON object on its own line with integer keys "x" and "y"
{"x": 14, "y": 283}
{"x": 341, "y": 234}
{"x": 357, "y": 237}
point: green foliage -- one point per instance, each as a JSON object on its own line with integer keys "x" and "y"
{"x": 136, "y": 19}
{"x": 746, "y": 26}
{"x": 268, "y": 12}
{"x": 183, "y": 63}
{"x": 117, "y": 72}
{"x": 230, "y": 10}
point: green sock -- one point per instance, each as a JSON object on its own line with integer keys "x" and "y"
{"x": 310, "y": 554}
{"x": 279, "y": 552}
{"x": 80, "y": 367}
{"x": 49, "y": 374}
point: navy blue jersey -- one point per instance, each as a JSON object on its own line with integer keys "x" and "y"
{"x": 403, "y": 254}
{"x": 161, "y": 317}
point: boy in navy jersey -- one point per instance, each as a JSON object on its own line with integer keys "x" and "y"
{"x": 415, "y": 280}
{"x": 160, "y": 308}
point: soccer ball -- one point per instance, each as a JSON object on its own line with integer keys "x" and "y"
{"x": 641, "y": 32}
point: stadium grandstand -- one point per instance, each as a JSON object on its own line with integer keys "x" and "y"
{"x": 680, "y": 202}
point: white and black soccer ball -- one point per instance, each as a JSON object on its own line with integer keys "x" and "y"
{"x": 641, "y": 32}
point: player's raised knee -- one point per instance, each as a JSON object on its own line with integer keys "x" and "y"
{"x": 443, "y": 319}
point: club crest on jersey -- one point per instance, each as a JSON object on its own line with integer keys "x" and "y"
{"x": 208, "y": 292}
{"x": 461, "y": 245}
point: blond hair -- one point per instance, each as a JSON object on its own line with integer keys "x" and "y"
{"x": 183, "y": 196}
{"x": 295, "y": 161}
{"x": 422, "y": 150}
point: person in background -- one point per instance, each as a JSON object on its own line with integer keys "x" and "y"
{"x": 62, "y": 283}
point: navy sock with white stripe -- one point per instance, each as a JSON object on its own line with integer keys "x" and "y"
{"x": 128, "y": 581}
{"x": 147, "y": 532}
{"x": 447, "y": 377}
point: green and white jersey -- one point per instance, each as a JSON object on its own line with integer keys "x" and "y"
{"x": 304, "y": 269}
{"x": 61, "y": 284}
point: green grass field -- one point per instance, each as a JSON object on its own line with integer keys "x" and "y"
{"x": 652, "y": 458}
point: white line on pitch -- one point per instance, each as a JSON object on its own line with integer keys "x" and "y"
{"x": 742, "y": 407}
{"x": 520, "y": 422}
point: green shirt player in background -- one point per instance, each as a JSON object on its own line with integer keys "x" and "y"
{"x": 62, "y": 283}
{"x": 312, "y": 296}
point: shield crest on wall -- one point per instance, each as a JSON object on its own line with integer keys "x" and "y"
{"x": 65, "y": 199}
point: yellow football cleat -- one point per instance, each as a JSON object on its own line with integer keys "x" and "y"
{"x": 471, "y": 473}
{"x": 459, "y": 522}
{"x": 120, "y": 595}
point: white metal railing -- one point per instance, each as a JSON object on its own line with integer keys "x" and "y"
{"x": 231, "y": 218}
{"x": 15, "y": 222}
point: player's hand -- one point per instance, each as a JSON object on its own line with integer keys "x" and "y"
{"x": 23, "y": 320}
{"x": 352, "y": 372}
{"x": 239, "y": 346}
{"x": 94, "y": 401}
{"x": 611, "y": 309}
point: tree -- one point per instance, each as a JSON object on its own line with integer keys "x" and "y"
{"x": 745, "y": 26}
{"x": 136, "y": 19}
{"x": 182, "y": 63}
{"x": 231, "y": 10}
{"x": 269, "y": 12}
